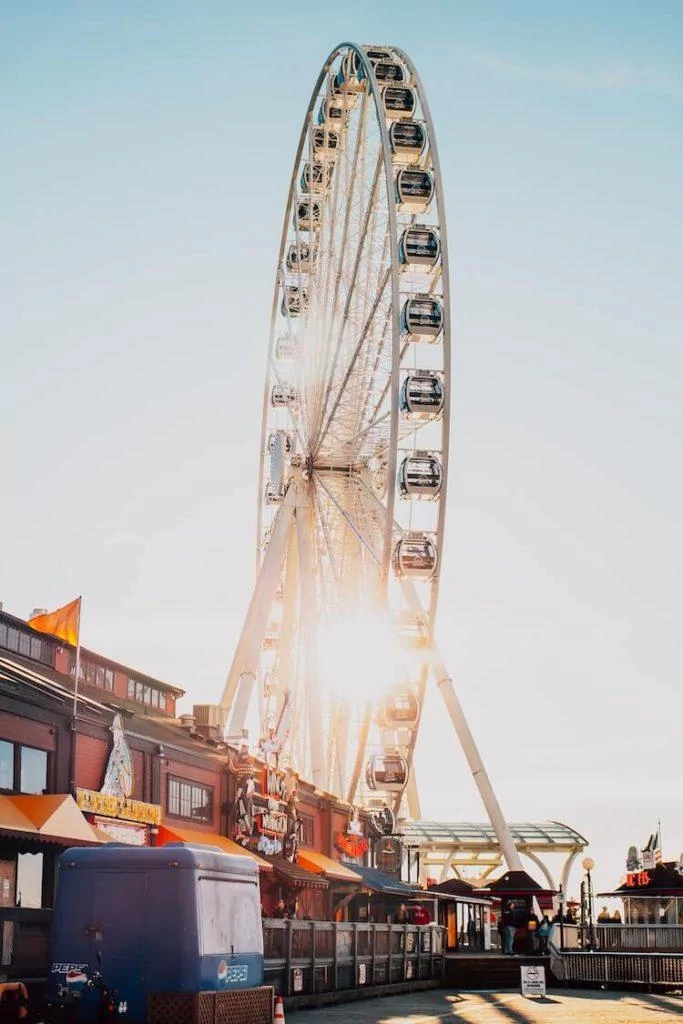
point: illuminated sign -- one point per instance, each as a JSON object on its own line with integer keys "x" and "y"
{"x": 273, "y": 823}
{"x": 118, "y": 807}
{"x": 637, "y": 878}
{"x": 274, "y": 784}
{"x": 351, "y": 845}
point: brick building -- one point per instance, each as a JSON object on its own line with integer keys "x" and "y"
{"x": 127, "y": 769}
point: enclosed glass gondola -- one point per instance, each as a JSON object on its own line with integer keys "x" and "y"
{"x": 415, "y": 556}
{"x": 294, "y": 300}
{"x": 349, "y": 73}
{"x": 398, "y": 101}
{"x": 301, "y": 256}
{"x": 341, "y": 93}
{"x": 407, "y": 140}
{"x": 419, "y": 247}
{"x": 388, "y": 71}
{"x": 414, "y": 190}
{"x": 307, "y": 214}
{"x": 400, "y": 709}
{"x": 283, "y": 395}
{"x": 412, "y": 629}
{"x": 272, "y": 494}
{"x": 420, "y": 476}
{"x": 331, "y": 111}
{"x": 316, "y": 177}
{"x": 388, "y": 772}
{"x": 280, "y": 440}
{"x": 422, "y": 318}
{"x": 422, "y": 395}
{"x": 375, "y": 53}
{"x": 324, "y": 140}
{"x": 286, "y": 349}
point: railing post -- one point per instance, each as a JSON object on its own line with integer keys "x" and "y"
{"x": 313, "y": 934}
{"x": 374, "y": 951}
{"x": 335, "y": 955}
{"x": 354, "y": 949}
{"x": 288, "y": 958}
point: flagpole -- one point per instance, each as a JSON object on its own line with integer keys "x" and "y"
{"x": 78, "y": 656}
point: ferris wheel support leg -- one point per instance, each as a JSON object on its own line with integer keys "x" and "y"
{"x": 413, "y": 796}
{"x": 447, "y": 690}
{"x": 309, "y": 614}
{"x": 284, "y": 665}
{"x": 242, "y": 673}
{"x": 360, "y": 753}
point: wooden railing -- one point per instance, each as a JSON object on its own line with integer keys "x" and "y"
{"x": 305, "y": 957}
{"x": 24, "y": 941}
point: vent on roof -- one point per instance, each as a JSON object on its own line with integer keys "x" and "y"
{"x": 187, "y": 722}
{"x": 211, "y": 720}
{"x": 36, "y": 611}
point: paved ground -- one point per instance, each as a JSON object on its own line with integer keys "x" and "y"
{"x": 559, "y": 1007}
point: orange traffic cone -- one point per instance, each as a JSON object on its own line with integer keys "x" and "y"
{"x": 279, "y": 1017}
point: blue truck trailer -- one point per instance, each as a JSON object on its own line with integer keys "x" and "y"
{"x": 175, "y": 919}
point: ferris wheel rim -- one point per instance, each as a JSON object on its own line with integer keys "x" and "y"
{"x": 399, "y": 343}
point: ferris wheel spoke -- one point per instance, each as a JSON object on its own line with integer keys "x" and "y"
{"x": 347, "y": 518}
{"x": 354, "y": 357}
{"x": 349, "y": 296}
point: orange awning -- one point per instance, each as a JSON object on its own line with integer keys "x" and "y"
{"x": 53, "y": 817}
{"x": 178, "y": 834}
{"x": 319, "y": 864}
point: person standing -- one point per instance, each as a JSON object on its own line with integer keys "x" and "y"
{"x": 532, "y": 930}
{"x": 544, "y": 930}
{"x": 510, "y": 930}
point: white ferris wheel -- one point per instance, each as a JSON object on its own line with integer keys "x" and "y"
{"x": 338, "y": 642}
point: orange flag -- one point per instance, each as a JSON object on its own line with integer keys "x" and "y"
{"x": 63, "y": 623}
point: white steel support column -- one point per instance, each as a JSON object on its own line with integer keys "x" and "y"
{"x": 242, "y": 675}
{"x": 464, "y": 733}
{"x": 285, "y": 674}
{"x": 413, "y": 795}
{"x": 309, "y": 620}
{"x": 447, "y": 690}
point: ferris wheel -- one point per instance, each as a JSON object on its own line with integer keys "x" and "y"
{"x": 338, "y": 642}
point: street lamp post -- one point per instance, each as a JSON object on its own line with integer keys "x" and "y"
{"x": 587, "y": 892}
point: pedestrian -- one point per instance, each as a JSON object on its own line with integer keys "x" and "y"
{"x": 510, "y": 931}
{"x": 280, "y": 911}
{"x": 616, "y": 917}
{"x": 532, "y": 931}
{"x": 603, "y": 916}
{"x": 501, "y": 932}
{"x": 471, "y": 932}
{"x": 421, "y": 915}
{"x": 544, "y": 930}
{"x": 401, "y": 915}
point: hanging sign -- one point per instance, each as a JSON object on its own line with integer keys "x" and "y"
{"x": 274, "y": 785}
{"x": 533, "y": 980}
{"x": 118, "y": 807}
{"x": 273, "y": 823}
{"x": 351, "y": 845}
{"x": 389, "y": 854}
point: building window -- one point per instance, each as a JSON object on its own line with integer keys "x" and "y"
{"x": 162, "y": 701}
{"x": 3, "y": 634}
{"x": 25, "y": 644}
{"x": 190, "y": 800}
{"x": 138, "y": 691}
{"x": 36, "y": 648}
{"x": 25, "y": 765}
{"x": 6, "y": 765}
{"x": 13, "y": 638}
{"x": 147, "y": 695}
{"x": 155, "y": 698}
{"x": 131, "y": 689}
{"x": 33, "y": 770}
{"x": 108, "y": 679}
{"x": 307, "y": 830}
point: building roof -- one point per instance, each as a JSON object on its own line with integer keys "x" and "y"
{"x": 87, "y": 653}
{"x": 514, "y": 883}
{"x": 547, "y": 835}
{"x": 663, "y": 880}
{"x": 46, "y": 818}
{"x": 378, "y": 881}
{"x": 295, "y": 875}
{"x": 320, "y": 864}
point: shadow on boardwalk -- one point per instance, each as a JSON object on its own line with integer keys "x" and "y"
{"x": 559, "y": 1007}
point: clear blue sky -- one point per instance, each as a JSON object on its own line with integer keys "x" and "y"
{"x": 146, "y": 152}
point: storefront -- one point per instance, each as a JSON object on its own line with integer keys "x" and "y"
{"x": 382, "y": 898}
{"x": 465, "y": 914}
{"x": 304, "y": 893}
{"x": 516, "y": 891}
{"x": 652, "y": 896}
